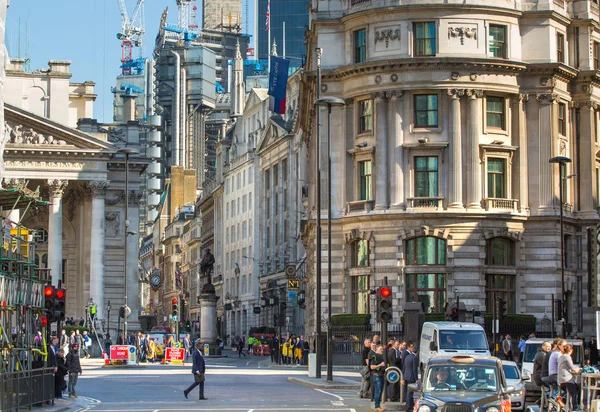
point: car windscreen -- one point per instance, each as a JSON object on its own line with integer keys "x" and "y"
{"x": 530, "y": 351}
{"x": 463, "y": 340}
{"x": 510, "y": 372}
{"x": 458, "y": 377}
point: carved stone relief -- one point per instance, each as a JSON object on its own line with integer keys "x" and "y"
{"x": 18, "y": 135}
{"x": 462, "y": 33}
{"x": 57, "y": 187}
{"x": 386, "y": 35}
{"x": 112, "y": 228}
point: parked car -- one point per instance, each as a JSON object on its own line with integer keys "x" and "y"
{"x": 463, "y": 383}
{"x": 513, "y": 378}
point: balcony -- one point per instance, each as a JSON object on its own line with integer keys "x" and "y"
{"x": 432, "y": 203}
{"x": 568, "y": 208}
{"x": 495, "y": 204}
{"x": 359, "y": 206}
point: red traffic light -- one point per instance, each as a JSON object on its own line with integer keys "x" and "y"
{"x": 174, "y": 301}
{"x": 385, "y": 292}
{"x": 60, "y": 294}
{"x": 49, "y": 291}
{"x": 44, "y": 321}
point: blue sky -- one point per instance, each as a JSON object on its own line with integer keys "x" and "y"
{"x": 84, "y": 32}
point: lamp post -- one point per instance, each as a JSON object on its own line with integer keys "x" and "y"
{"x": 562, "y": 161}
{"x": 329, "y": 102}
{"x": 108, "y": 323}
{"x": 127, "y": 151}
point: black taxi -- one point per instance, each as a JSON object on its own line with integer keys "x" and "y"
{"x": 462, "y": 383}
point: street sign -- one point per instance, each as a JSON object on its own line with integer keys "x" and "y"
{"x": 206, "y": 349}
{"x": 293, "y": 284}
{"x": 292, "y": 294}
{"x": 392, "y": 374}
{"x": 175, "y": 318}
{"x": 119, "y": 352}
{"x": 175, "y": 354}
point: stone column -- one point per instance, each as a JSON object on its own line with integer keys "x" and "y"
{"x": 98, "y": 192}
{"x": 208, "y": 319}
{"x": 473, "y": 164}
{"x": 587, "y": 162}
{"x": 520, "y": 140}
{"x": 396, "y": 150}
{"x": 547, "y": 150}
{"x": 381, "y": 160}
{"x": 455, "y": 195}
{"x": 55, "y": 234}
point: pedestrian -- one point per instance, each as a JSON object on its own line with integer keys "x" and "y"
{"x": 593, "y": 349}
{"x": 93, "y": 310}
{"x": 538, "y": 362}
{"x": 81, "y": 322}
{"x": 187, "y": 344}
{"x": 410, "y": 374}
{"x": 365, "y": 372}
{"x": 59, "y": 376}
{"x": 305, "y": 347}
{"x": 250, "y": 345}
{"x": 64, "y": 341}
{"x": 240, "y": 347}
{"x": 87, "y": 343}
{"x": 120, "y": 338}
{"x": 74, "y": 368}
{"x": 566, "y": 378}
{"x": 78, "y": 341}
{"x": 395, "y": 360}
{"x": 107, "y": 345}
{"x": 507, "y": 348}
{"x": 198, "y": 370}
{"x": 377, "y": 366}
{"x": 521, "y": 345}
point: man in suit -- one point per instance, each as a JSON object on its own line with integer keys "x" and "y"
{"x": 198, "y": 369}
{"x": 410, "y": 372}
{"x": 395, "y": 360}
{"x": 187, "y": 344}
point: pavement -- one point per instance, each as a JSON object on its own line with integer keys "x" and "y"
{"x": 337, "y": 382}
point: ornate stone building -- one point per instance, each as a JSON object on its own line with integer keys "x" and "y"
{"x": 441, "y": 178}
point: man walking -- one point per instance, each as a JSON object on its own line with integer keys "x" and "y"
{"x": 198, "y": 370}
{"x": 187, "y": 345}
{"x": 365, "y": 384}
{"x": 507, "y": 348}
{"x": 410, "y": 374}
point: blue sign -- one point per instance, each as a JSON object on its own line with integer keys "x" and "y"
{"x": 392, "y": 374}
{"x": 292, "y": 294}
{"x": 175, "y": 318}
{"x": 278, "y": 77}
{"x": 132, "y": 349}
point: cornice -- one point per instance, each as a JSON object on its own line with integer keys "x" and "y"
{"x": 424, "y": 64}
{"x": 548, "y": 14}
{"x": 559, "y": 70}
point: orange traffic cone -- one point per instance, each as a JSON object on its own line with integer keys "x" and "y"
{"x": 106, "y": 360}
{"x": 162, "y": 362}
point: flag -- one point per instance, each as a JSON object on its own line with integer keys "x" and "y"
{"x": 178, "y": 278}
{"x": 268, "y": 20}
{"x": 278, "y": 77}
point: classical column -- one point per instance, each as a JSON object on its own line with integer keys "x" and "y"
{"x": 381, "y": 160}
{"x": 98, "y": 192}
{"x": 547, "y": 150}
{"x": 520, "y": 140}
{"x": 587, "y": 161}
{"x": 473, "y": 163}
{"x": 396, "y": 150}
{"x": 55, "y": 234}
{"x": 455, "y": 195}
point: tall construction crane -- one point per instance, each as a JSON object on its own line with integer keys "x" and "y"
{"x": 132, "y": 31}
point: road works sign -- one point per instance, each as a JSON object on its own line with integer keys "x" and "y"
{"x": 175, "y": 354}
{"x": 119, "y": 352}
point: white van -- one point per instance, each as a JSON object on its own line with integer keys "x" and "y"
{"x": 449, "y": 338}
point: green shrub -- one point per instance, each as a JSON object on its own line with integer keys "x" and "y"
{"x": 514, "y": 319}
{"x": 350, "y": 319}
{"x": 434, "y": 317}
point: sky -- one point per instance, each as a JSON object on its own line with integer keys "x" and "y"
{"x": 83, "y": 32}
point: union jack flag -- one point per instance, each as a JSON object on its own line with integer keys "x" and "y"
{"x": 268, "y": 21}
{"x": 178, "y": 278}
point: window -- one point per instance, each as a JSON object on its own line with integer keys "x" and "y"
{"x": 426, "y": 110}
{"x": 500, "y": 252}
{"x": 360, "y": 294}
{"x": 250, "y": 201}
{"x": 560, "y": 47}
{"x": 495, "y": 112}
{"x": 360, "y": 46}
{"x": 250, "y": 175}
{"x": 496, "y": 178}
{"x": 596, "y": 54}
{"x": 497, "y": 41}
{"x": 424, "y": 39}
{"x": 426, "y": 176}
{"x": 360, "y": 253}
{"x": 244, "y": 204}
{"x": 500, "y": 286}
{"x": 227, "y": 210}
{"x": 366, "y": 180}
{"x": 427, "y": 288}
{"x": 426, "y": 250}
{"x": 365, "y": 121}
{"x": 562, "y": 119}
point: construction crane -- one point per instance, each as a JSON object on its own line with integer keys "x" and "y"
{"x": 132, "y": 31}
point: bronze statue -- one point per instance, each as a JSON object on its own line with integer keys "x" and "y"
{"x": 206, "y": 270}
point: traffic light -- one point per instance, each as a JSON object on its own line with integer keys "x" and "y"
{"x": 175, "y": 305}
{"x": 59, "y": 304}
{"x": 44, "y": 321}
{"x": 50, "y": 302}
{"x": 452, "y": 313}
{"x": 384, "y": 304}
{"x": 501, "y": 308}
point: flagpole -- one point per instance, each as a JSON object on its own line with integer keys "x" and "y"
{"x": 269, "y": 35}
{"x": 284, "y": 39}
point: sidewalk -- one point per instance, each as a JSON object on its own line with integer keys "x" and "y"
{"x": 338, "y": 382}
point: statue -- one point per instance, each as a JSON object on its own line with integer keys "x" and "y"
{"x": 206, "y": 269}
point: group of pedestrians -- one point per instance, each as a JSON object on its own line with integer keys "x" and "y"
{"x": 64, "y": 364}
{"x": 291, "y": 350}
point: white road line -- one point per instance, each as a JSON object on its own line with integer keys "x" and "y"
{"x": 234, "y": 409}
{"x": 331, "y": 394}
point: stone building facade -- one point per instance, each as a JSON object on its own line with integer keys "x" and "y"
{"x": 441, "y": 179}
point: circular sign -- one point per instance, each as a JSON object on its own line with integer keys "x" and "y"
{"x": 132, "y": 349}
{"x": 392, "y": 374}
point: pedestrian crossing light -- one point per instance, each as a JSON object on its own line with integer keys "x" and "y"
{"x": 175, "y": 304}
{"x": 384, "y": 304}
{"x": 50, "y": 302}
{"x": 502, "y": 308}
{"x": 59, "y": 304}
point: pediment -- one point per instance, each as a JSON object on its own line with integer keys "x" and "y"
{"x": 255, "y": 97}
{"x": 27, "y": 131}
{"x": 273, "y": 132}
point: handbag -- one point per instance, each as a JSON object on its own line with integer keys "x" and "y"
{"x": 365, "y": 372}
{"x": 199, "y": 378}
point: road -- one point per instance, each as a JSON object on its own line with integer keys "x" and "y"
{"x": 232, "y": 384}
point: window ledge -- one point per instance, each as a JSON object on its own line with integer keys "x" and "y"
{"x": 359, "y": 206}
{"x": 494, "y": 204}
{"x": 432, "y": 203}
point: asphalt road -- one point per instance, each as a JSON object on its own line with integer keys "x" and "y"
{"x": 232, "y": 384}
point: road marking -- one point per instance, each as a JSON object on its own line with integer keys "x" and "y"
{"x": 331, "y": 394}
{"x": 232, "y": 409}
{"x": 337, "y": 403}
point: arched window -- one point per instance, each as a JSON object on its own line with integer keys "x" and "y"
{"x": 500, "y": 251}
{"x": 426, "y": 250}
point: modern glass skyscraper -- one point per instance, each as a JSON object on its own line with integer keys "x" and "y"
{"x": 295, "y": 15}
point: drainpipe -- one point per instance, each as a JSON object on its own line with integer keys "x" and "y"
{"x": 175, "y": 115}
{"x": 183, "y": 117}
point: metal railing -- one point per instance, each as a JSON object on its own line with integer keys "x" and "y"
{"x": 425, "y": 202}
{"x": 24, "y": 389}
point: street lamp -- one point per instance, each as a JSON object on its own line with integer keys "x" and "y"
{"x": 562, "y": 161}
{"x": 329, "y": 102}
{"x": 108, "y": 323}
{"x": 127, "y": 151}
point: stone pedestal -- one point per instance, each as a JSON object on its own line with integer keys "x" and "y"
{"x": 208, "y": 320}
